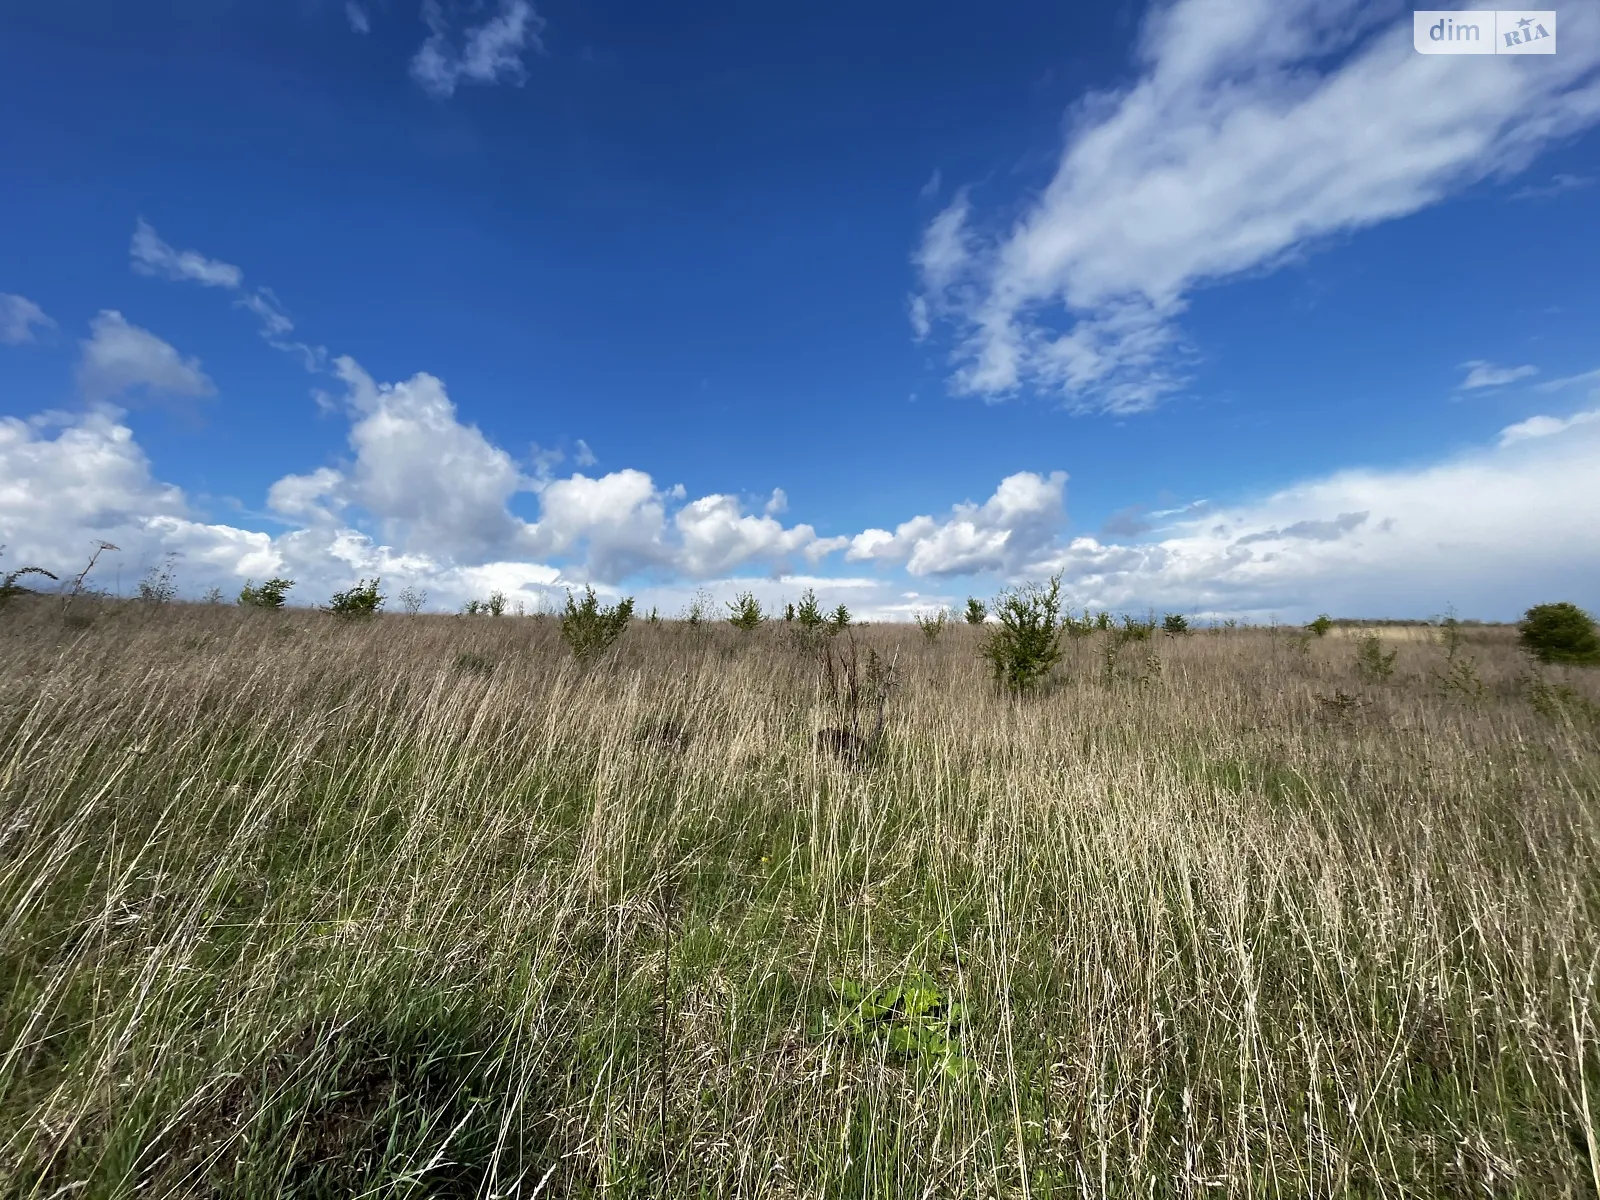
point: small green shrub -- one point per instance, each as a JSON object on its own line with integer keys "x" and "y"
{"x": 363, "y": 600}
{"x": 268, "y": 595}
{"x": 1135, "y": 630}
{"x": 589, "y": 629}
{"x": 1027, "y": 644}
{"x": 839, "y": 619}
{"x": 912, "y": 1018}
{"x": 412, "y": 599}
{"x": 808, "y": 615}
{"x": 1450, "y": 635}
{"x": 496, "y": 604}
{"x": 1560, "y": 633}
{"x": 1321, "y": 625}
{"x": 213, "y": 596}
{"x": 788, "y": 611}
{"x": 932, "y": 624}
{"x": 160, "y": 584}
{"x": 1371, "y": 662}
{"x": 699, "y": 610}
{"x": 977, "y": 612}
{"x": 1175, "y": 624}
{"x": 745, "y": 612}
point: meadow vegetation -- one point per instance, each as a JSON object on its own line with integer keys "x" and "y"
{"x": 567, "y": 906}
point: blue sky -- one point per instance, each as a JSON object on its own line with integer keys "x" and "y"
{"x": 1226, "y": 307}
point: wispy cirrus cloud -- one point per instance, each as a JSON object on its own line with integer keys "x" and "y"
{"x": 1253, "y": 130}
{"x": 489, "y": 53}
{"x": 1482, "y": 374}
{"x": 1559, "y": 185}
{"x": 150, "y": 255}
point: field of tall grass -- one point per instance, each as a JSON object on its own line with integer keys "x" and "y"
{"x": 291, "y": 905}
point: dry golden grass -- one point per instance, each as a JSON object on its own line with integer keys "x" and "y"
{"x": 296, "y": 906}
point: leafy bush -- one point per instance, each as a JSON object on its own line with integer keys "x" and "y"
{"x": 268, "y": 595}
{"x": 913, "y": 1019}
{"x": 1560, "y": 633}
{"x": 1321, "y": 625}
{"x": 977, "y": 611}
{"x": 1027, "y": 644}
{"x": 496, "y": 604}
{"x": 213, "y": 596}
{"x": 699, "y": 610}
{"x": 1371, "y": 661}
{"x": 412, "y": 599}
{"x": 932, "y": 624}
{"x": 1134, "y": 630}
{"x": 745, "y": 612}
{"x": 160, "y": 584}
{"x": 589, "y": 629}
{"x": 1175, "y": 624}
{"x": 363, "y": 600}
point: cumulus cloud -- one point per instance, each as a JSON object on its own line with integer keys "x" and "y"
{"x": 1481, "y": 374}
{"x": 18, "y": 317}
{"x": 119, "y": 357}
{"x": 435, "y": 486}
{"x": 1021, "y": 519}
{"x": 488, "y": 53}
{"x": 1253, "y": 129}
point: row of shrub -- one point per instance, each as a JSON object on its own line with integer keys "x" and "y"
{"x": 1022, "y": 646}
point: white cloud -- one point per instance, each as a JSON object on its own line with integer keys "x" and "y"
{"x": 357, "y": 16}
{"x": 1255, "y": 129}
{"x": 1491, "y": 531}
{"x": 1558, "y": 185}
{"x": 585, "y": 456}
{"x": 1555, "y": 385}
{"x": 152, "y": 256}
{"x": 718, "y": 536}
{"x": 1021, "y": 519}
{"x": 436, "y": 487}
{"x": 1537, "y": 427}
{"x": 489, "y": 53}
{"x": 119, "y": 357}
{"x": 18, "y": 316}
{"x": 1481, "y": 374}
